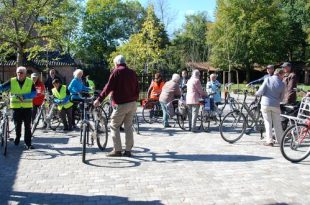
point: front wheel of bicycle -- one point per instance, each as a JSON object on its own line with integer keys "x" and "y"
{"x": 102, "y": 133}
{"x": 84, "y": 139}
{"x": 183, "y": 121}
{"x": 295, "y": 144}
{"x": 233, "y": 126}
{"x": 205, "y": 120}
{"x": 106, "y": 106}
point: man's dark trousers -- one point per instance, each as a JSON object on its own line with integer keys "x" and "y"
{"x": 21, "y": 115}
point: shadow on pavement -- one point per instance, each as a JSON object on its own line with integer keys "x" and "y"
{"x": 53, "y": 198}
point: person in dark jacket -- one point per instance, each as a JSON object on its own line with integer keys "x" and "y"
{"x": 124, "y": 88}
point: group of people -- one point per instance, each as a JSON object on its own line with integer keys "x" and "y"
{"x": 165, "y": 92}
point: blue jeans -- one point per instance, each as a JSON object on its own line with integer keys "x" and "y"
{"x": 165, "y": 113}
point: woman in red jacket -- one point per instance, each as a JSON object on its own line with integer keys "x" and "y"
{"x": 39, "y": 98}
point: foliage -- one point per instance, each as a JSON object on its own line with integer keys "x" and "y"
{"x": 34, "y": 26}
{"x": 145, "y": 50}
{"x": 246, "y": 32}
{"x": 106, "y": 25}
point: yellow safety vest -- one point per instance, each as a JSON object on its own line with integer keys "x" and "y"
{"x": 17, "y": 90}
{"x": 91, "y": 85}
{"x": 62, "y": 95}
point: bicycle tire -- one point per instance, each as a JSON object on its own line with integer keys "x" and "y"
{"x": 36, "y": 122}
{"x": 182, "y": 122}
{"x": 106, "y": 106}
{"x": 205, "y": 120}
{"x": 255, "y": 111}
{"x": 101, "y": 132}
{"x": 5, "y": 136}
{"x": 135, "y": 124}
{"x": 84, "y": 137}
{"x": 233, "y": 126}
{"x": 293, "y": 147}
{"x": 151, "y": 112}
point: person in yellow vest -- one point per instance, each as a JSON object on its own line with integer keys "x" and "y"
{"x": 22, "y": 91}
{"x": 155, "y": 87}
{"x": 91, "y": 84}
{"x": 62, "y": 99}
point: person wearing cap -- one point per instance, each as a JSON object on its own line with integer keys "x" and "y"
{"x": 39, "y": 98}
{"x": 194, "y": 94}
{"x": 213, "y": 86}
{"x": 155, "y": 87}
{"x": 170, "y": 91}
{"x": 62, "y": 99}
{"x": 290, "y": 81}
{"x": 272, "y": 92}
{"x": 269, "y": 69}
{"x": 22, "y": 91}
{"x": 124, "y": 89}
{"x": 184, "y": 79}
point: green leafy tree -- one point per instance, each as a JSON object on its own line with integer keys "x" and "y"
{"x": 145, "y": 50}
{"x": 246, "y": 32}
{"x": 34, "y": 26}
{"x": 106, "y": 25}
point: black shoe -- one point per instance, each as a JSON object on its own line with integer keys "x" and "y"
{"x": 29, "y": 147}
{"x": 115, "y": 154}
{"x": 121, "y": 129}
{"x": 65, "y": 129}
{"x": 16, "y": 141}
{"x": 127, "y": 154}
{"x": 167, "y": 126}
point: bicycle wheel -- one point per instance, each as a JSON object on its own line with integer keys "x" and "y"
{"x": 106, "y": 106}
{"x": 295, "y": 144}
{"x": 101, "y": 132}
{"x": 55, "y": 121}
{"x": 151, "y": 112}
{"x": 4, "y": 137}
{"x": 205, "y": 120}
{"x": 233, "y": 126}
{"x": 135, "y": 124}
{"x": 257, "y": 114}
{"x": 84, "y": 139}
{"x": 182, "y": 120}
{"x": 36, "y": 121}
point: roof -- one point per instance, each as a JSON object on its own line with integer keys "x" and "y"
{"x": 50, "y": 59}
{"x": 202, "y": 66}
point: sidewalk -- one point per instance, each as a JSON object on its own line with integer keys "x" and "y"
{"x": 169, "y": 167}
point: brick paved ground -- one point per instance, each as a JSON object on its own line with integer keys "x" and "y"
{"x": 169, "y": 167}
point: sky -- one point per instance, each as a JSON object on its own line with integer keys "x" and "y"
{"x": 185, "y": 7}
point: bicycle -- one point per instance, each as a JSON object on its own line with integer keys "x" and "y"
{"x": 295, "y": 143}
{"x": 4, "y": 127}
{"x": 49, "y": 114}
{"x": 235, "y": 123}
{"x": 152, "y": 111}
{"x": 97, "y": 125}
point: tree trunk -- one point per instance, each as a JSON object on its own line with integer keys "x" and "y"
{"x": 20, "y": 59}
{"x": 248, "y": 72}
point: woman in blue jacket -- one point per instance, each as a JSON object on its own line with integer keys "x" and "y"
{"x": 76, "y": 85}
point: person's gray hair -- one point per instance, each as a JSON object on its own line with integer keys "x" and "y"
{"x": 213, "y": 75}
{"x": 76, "y": 72}
{"x": 279, "y": 71}
{"x": 21, "y": 69}
{"x": 119, "y": 60}
{"x": 175, "y": 77}
{"x": 196, "y": 73}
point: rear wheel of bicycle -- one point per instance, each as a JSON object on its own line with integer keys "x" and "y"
{"x": 295, "y": 144}
{"x": 135, "y": 124}
{"x": 205, "y": 121}
{"x": 233, "y": 126}
{"x": 183, "y": 121}
{"x": 151, "y": 112}
{"x": 102, "y": 132}
{"x": 4, "y": 137}
{"x": 84, "y": 139}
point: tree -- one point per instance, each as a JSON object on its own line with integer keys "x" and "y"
{"x": 106, "y": 25}
{"x": 246, "y": 32}
{"x": 146, "y": 49}
{"x": 34, "y": 26}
